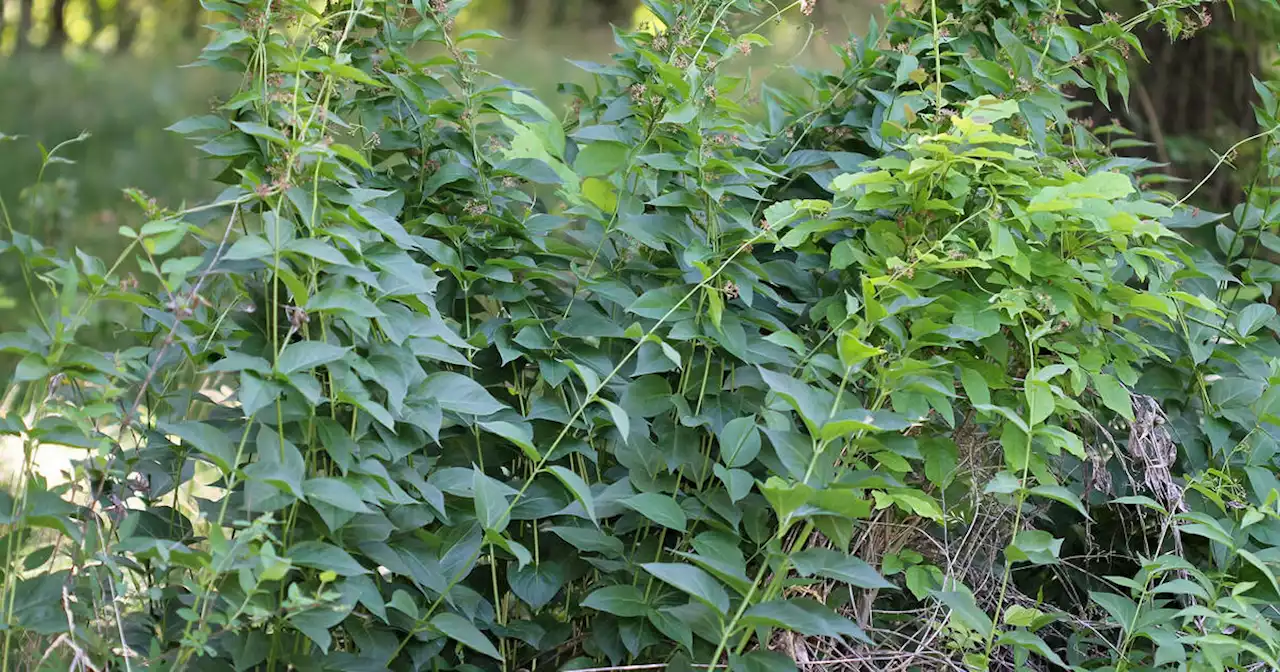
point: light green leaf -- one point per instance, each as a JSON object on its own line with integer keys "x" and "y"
{"x": 1039, "y": 401}
{"x": 249, "y": 247}
{"x": 811, "y": 403}
{"x": 581, "y": 491}
{"x": 1114, "y": 395}
{"x": 280, "y": 464}
{"x": 589, "y": 539}
{"x": 600, "y": 158}
{"x": 975, "y": 387}
{"x": 1037, "y": 546}
{"x": 853, "y": 351}
{"x": 737, "y": 481}
{"x": 620, "y": 418}
{"x": 1254, "y": 316}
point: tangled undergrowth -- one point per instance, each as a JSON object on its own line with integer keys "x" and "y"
{"x": 893, "y": 367}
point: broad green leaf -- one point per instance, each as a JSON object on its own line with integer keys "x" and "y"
{"x": 581, "y": 491}
{"x": 737, "y": 481}
{"x": 1060, "y": 494}
{"x": 910, "y": 500}
{"x": 1122, "y": 609}
{"x": 661, "y": 509}
{"x": 813, "y": 405}
{"x": 966, "y": 611}
{"x": 786, "y": 498}
{"x": 693, "y": 580}
{"x": 762, "y": 661}
{"x": 589, "y": 539}
{"x": 208, "y": 440}
{"x": 325, "y": 557}
{"x": 1039, "y": 401}
{"x": 803, "y": 616}
{"x": 1031, "y": 642}
{"x": 490, "y": 501}
{"x": 739, "y": 442}
{"x": 1261, "y": 566}
{"x": 680, "y": 114}
{"x": 1114, "y": 395}
{"x": 839, "y": 566}
{"x": 853, "y": 351}
{"x": 279, "y": 464}
{"x": 458, "y": 628}
{"x": 1036, "y": 546}
{"x": 460, "y": 394}
{"x": 600, "y": 158}
{"x": 623, "y": 600}
{"x": 518, "y": 433}
{"x": 1235, "y": 392}
{"x": 620, "y": 418}
{"x": 975, "y": 387}
{"x": 940, "y": 459}
{"x": 335, "y": 493}
{"x": 249, "y": 247}
{"x": 1254, "y": 316}
{"x": 537, "y": 584}
{"x": 308, "y": 355}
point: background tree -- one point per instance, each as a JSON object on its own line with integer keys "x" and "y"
{"x": 1191, "y": 97}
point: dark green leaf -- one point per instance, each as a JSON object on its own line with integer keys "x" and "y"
{"x": 325, "y": 557}
{"x": 692, "y": 580}
{"x": 803, "y": 616}
{"x": 661, "y": 509}
{"x": 460, "y": 394}
{"x": 835, "y": 565}
{"x": 462, "y": 630}
{"x": 624, "y": 600}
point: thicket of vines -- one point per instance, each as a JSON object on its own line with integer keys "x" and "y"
{"x": 894, "y": 366}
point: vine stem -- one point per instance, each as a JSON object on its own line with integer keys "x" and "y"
{"x": 1226, "y": 156}
{"x": 1019, "y": 499}
{"x": 939, "y": 101}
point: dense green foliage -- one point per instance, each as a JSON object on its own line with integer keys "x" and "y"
{"x": 901, "y": 368}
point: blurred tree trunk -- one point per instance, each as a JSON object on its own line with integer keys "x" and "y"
{"x": 57, "y": 26}
{"x": 25, "y": 20}
{"x": 126, "y": 26}
{"x": 518, "y": 13}
{"x": 559, "y": 12}
{"x": 191, "y": 28}
{"x": 1194, "y": 98}
{"x": 96, "y": 22}
{"x": 610, "y": 12}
